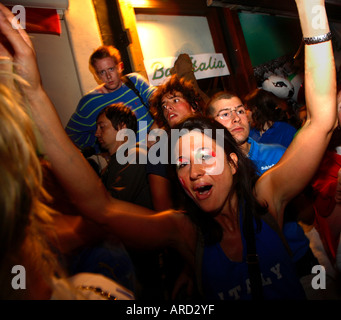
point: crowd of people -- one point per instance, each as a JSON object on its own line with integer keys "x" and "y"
{"x": 216, "y": 198}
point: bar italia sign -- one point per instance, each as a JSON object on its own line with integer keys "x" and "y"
{"x": 206, "y": 65}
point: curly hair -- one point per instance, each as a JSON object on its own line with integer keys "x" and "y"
{"x": 174, "y": 84}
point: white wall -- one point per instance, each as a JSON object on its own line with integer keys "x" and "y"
{"x": 168, "y": 35}
{"x": 63, "y": 60}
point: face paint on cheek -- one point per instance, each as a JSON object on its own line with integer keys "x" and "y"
{"x": 182, "y": 181}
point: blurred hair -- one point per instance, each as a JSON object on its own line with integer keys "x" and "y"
{"x": 23, "y": 215}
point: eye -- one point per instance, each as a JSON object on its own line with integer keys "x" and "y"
{"x": 204, "y": 156}
{"x": 181, "y": 163}
{"x": 225, "y": 114}
{"x": 241, "y": 111}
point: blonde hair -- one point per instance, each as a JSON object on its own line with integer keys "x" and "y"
{"x": 23, "y": 215}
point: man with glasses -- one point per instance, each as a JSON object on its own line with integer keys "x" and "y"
{"x": 132, "y": 90}
{"x": 228, "y": 109}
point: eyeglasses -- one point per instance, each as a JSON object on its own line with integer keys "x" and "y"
{"x": 226, "y": 114}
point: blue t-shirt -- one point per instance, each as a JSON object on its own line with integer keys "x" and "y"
{"x": 224, "y": 279}
{"x": 265, "y": 156}
{"x": 81, "y": 127}
{"x": 279, "y": 133}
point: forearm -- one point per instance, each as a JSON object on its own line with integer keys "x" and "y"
{"x": 70, "y": 167}
{"x": 320, "y": 75}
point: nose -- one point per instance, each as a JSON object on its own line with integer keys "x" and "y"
{"x": 196, "y": 171}
{"x": 168, "y": 106}
{"x": 234, "y": 115}
{"x": 108, "y": 74}
{"x": 97, "y": 133}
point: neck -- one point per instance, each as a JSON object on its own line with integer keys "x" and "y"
{"x": 114, "y": 148}
{"x": 245, "y": 147}
{"x": 228, "y": 217}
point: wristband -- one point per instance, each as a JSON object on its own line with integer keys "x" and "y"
{"x": 318, "y": 39}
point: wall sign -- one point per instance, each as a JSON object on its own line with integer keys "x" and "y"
{"x": 206, "y": 65}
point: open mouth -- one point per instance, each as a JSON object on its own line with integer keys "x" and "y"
{"x": 203, "y": 192}
{"x": 172, "y": 115}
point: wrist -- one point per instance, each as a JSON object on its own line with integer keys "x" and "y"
{"x": 313, "y": 18}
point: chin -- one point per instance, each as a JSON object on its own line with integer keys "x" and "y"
{"x": 213, "y": 210}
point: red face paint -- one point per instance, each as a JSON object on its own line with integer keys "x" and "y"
{"x": 184, "y": 186}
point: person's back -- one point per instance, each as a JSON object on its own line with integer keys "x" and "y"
{"x": 280, "y": 132}
{"x": 132, "y": 90}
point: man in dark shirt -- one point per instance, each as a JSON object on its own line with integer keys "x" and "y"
{"x": 125, "y": 176}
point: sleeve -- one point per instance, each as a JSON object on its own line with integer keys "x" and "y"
{"x": 141, "y": 84}
{"x": 81, "y": 127}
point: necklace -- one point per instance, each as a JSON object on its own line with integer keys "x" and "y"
{"x": 98, "y": 291}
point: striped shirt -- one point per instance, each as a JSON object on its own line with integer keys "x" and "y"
{"x": 81, "y": 127}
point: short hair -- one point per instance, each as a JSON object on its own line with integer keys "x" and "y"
{"x": 216, "y": 97}
{"x": 173, "y": 84}
{"x": 105, "y": 52}
{"x": 119, "y": 114}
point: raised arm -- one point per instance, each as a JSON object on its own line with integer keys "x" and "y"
{"x": 299, "y": 163}
{"x": 135, "y": 225}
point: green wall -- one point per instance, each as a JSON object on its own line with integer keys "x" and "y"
{"x": 269, "y": 37}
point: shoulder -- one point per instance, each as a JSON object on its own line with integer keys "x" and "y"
{"x": 138, "y": 79}
{"x": 269, "y": 148}
{"x": 90, "y": 95}
{"x": 135, "y": 76}
{"x": 284, "y": 126}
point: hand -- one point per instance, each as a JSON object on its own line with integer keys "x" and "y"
{"x": 183, "y": 285}
{"x": 16, "y": 45}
